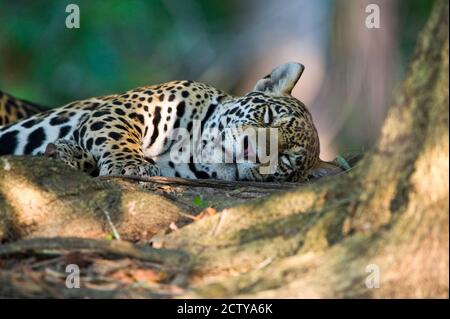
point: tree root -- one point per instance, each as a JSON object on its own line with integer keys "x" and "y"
{"x": 167, "y": 257}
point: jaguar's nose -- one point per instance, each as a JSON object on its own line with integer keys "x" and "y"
{"x": 50, "y": 150}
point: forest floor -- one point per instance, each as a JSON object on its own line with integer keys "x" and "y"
{"x": 40, "y": 267}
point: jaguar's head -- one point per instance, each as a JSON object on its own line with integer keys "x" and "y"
{"x": 269, "y": 133}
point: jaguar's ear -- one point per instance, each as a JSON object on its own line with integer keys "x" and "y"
{"x": 282, "y": 79}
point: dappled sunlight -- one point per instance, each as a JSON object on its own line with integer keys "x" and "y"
{"x": 39, "y": 212}
{"x": 431, "y": 174}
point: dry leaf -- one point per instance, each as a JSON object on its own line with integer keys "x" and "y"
{"x": 209, "y": 211}
{"x": 76, "y": 258}
{"x": 130, "y": 276}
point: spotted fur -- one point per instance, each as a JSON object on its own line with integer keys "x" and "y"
{"x": 131, "y": 133}
{"x": 13, "y": 109}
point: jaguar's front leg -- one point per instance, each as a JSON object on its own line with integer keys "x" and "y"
{"x": 126, "y": 163}
{"x": 72, "y": 154}
{"x": 123, "y": 159}
{"x": 116, "y": 146}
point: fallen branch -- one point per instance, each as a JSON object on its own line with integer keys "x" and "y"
{"x": 168, "y": 257}
{"x": 30, "y": 285}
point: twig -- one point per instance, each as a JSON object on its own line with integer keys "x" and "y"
{"x": 266, "y": 262}
{"x": 220, "y": 222}
{"x": 46, "y": 262}
{"x": 113, "y": 228}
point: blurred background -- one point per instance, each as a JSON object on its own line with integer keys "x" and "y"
{"x": 350, "y": 77}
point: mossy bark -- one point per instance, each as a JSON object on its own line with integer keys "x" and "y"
{"x": 40, "y": 197}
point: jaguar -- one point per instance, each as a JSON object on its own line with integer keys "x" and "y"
{"x": 142, "y": 132}
{"x": 13, "y": 109}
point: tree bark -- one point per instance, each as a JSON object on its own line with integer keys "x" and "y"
{"x": 390, "y": 212}
{"x": 41, "y": 197}
{"x": 384, "y": 222}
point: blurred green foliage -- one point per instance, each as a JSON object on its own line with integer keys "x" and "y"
{"x": 413, "y": 15}
{"x": 119, "y": 45}
{"x": 124, "y": 44}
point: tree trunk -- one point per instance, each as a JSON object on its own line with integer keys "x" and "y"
{"x": 390, "y": 213}
{"x": 380, "y": 230}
